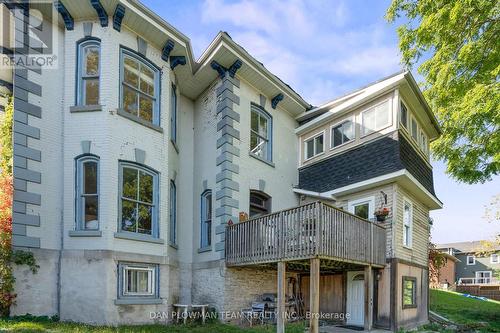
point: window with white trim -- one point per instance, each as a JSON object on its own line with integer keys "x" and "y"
{"x": 414, "y": 129}
{"x": 89, "y": 53}
{"x": 87, "y": 193}
{"x": 407, "y": 223}
{"x": 173, "y": 213}
{"x": 423, "y": 143}
{"x": 206, "y": 219}
{"x": 137, "y": 280}
{"x": 483, "y": 277}
{"x": 403, "y": 115}
{"x": 494, "y": 258}
{"x": 375, "y": 118}
{"x": 260, "y": 133}
{"x": 364, "y": 207}
{"x": 314, "y": 146}
{"x": 471, "y": 260}
{"x": 138, "y": 199}
{"x": 140, "y": 87}
{"x": 342, "y": 133}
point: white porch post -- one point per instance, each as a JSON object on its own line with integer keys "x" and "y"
{"x": 314, "y": 298}
{"x": 280, "y": 323}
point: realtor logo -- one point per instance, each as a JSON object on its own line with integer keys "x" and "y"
{"x": 28, "y": 34}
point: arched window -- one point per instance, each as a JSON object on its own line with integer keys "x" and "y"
{"x": 89, "y": 54}
{"x": 261, "y": 141}
{"x": 138, "y": 199}
{"x": 87, "y": 193}
{"x": 206, "y": 219}
{"x": 260, "y": 203}
{"x": 140, "y": 87}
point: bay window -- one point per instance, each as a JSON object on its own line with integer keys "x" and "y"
{"x": 88, "y": 70}
{"x": 138, "y": 200}
{"x": 140, "y": 87}
{"x": 87, "y": 193}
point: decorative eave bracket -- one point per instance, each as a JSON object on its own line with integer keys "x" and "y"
{"x": 177, "y": 60}
{"x": 276, "y": 99}
{"x": 169, "y": 46}
{"x": 101, "y": 12}
{"x": 69, "y": 23}
{"x": 223, "y": 70}
{"x": 118, "y": 17}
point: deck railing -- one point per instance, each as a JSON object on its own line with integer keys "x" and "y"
{"x": 312, "y": 230}
{"x": 479, "y": 281}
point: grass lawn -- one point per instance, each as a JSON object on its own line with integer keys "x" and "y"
{"x": 32, "y": 325}
{"x": 466, "y": 311}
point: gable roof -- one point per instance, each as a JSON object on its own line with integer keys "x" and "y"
{"x": 464, "y": 247}
{"x": 348, "y": 102}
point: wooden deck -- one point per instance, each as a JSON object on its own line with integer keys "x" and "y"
{"x": 315, "y": 230}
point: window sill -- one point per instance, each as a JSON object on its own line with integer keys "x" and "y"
{"x": 172, "y": 245}
{"x": 205, "y": 249}
{"x": 138, "y": 301}
{"x": 138, "y": 237}
{"x": 138, "y": 120}
{"x": 409, "y": 307}
{"x": 85, "y": 108}
{"x": 85, "y": 233}
{"x": 271, "y": 164}
{"x": 408, "y": 247}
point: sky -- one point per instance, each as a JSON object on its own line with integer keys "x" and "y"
{"x": 324, "y": 49}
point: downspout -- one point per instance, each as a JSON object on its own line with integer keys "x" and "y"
{"x": 59, "y": 260}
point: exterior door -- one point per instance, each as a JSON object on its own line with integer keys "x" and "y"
{"x": 355, "y": 306}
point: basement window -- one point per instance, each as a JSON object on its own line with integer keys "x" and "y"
{"x": 409, "y": 292}
{"x": 137, "y": 280}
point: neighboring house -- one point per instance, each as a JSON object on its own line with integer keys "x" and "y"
{"x": 473, "y": 267}
{"x": 136, "y": 166}
{"x": 446, "y": 274}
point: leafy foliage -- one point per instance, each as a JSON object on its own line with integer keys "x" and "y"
{"x": 458, "y": 44}
{"x": 7, "y": 255}
{"x": 436, "y": 261}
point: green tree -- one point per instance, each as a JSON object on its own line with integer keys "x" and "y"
{"x": 457, "y": 46}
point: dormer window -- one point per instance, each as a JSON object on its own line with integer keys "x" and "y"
{"x": 314, "y": 146}
{"x": 89, "y": 52}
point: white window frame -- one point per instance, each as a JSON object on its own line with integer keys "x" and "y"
{"x": 353, "y": 124}
{"x": 408, "y": 240}
{"x": 402, "y": 103}
{"x": 479, "y": 277}
{"x": 364, "y": 132}
{"x": 153, "y": 279}
{"x": 371, "y": 205}
{"x": 313, "y": 137}
{"x": 494, "y": 255}
{"x": 423, "y": 145}
{"x": 473, "y": 260}
{"x": 412, "y": 118}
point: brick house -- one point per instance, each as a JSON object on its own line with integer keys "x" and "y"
{"x": 136, "y": 167}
